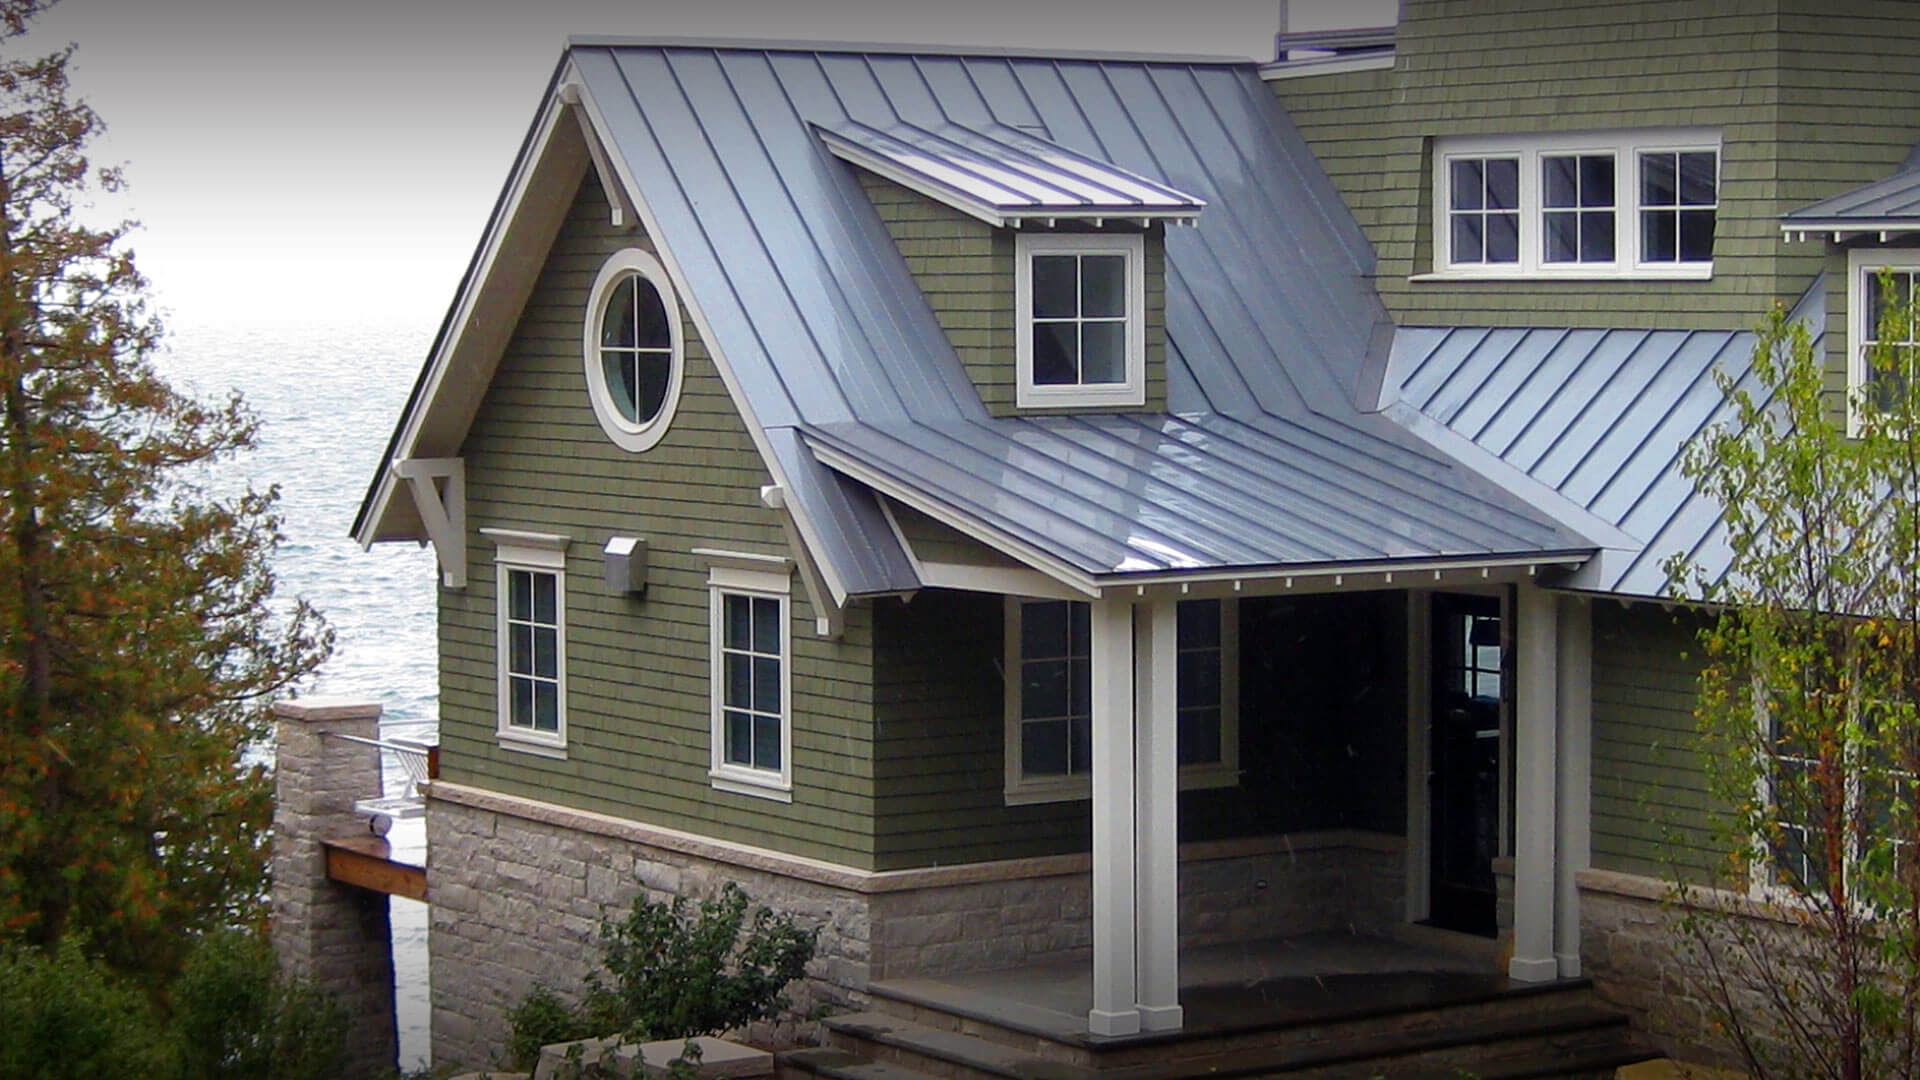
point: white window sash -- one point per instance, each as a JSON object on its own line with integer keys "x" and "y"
{"x": 774, "y": 582}
{"x": 1131, "y": 391}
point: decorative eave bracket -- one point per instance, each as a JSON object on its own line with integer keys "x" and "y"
{"x": 830, "y": 618}
{"x": 439, "y": 487}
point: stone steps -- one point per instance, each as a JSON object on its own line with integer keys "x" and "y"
{"x": 1036, "y": 1036}
{"x": 1561, "y": 1040}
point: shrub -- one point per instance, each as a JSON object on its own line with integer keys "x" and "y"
{"x": 66, "y": 1016}
{"x": 238, "y": 1019}
{"x": 675, "y": 970}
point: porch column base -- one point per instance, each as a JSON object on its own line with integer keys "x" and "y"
{"x": 1569, "y": 964}
{"x": 1160, "y": 1017}
{"x": 1102, "y": 1022}
{"x": 1528, "y": 969}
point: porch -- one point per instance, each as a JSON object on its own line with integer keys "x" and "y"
{"x": 1331, "y": 1004}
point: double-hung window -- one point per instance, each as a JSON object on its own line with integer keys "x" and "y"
{"x": 1627, "y": 204}
{"x": 1049, "y": 697}
{"x": 1080, "y": 314}
{"x": 1883, "y": 340}
{"x": 751, "y": 676}
{"x": 531, "y": 640}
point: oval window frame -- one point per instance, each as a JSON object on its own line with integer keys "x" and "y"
{"x": 624, "y": 433}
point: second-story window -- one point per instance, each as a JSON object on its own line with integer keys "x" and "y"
{"x": 1080, "y": 319}
{"x": 1623, "y": 204}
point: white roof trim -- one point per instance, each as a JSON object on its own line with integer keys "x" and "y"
{"x": 567, "y": 85}
{"x": 1326, "y": 65}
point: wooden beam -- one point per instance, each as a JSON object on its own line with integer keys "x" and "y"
{"x": 367, "y": 862}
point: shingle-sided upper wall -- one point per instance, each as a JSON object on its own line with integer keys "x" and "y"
{"x": 964, "y": 266}
{"x": 637, "y": 710}
{"x": 1514, "y": 67}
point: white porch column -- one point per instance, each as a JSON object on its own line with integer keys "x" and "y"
{"x": 1535, "y": 785}
{"x": 1115, "y": 1010}
{"x": 1157, "y": 816}
{"x": 1573, "y": 815}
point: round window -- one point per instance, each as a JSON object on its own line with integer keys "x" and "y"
{"x": 632, "y": 346}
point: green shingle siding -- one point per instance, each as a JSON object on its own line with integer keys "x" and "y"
{"x": 1647, "y": 779}
{"x": 1486, "y": 68}
{"x": 638, "y": 726}
{"x": 964, "y": 267}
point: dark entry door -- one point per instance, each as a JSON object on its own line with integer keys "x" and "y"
{"x": 1464, "y": 742}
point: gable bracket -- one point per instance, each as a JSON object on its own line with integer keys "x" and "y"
{"x": 830, "y": 618}
{"x": 439, "y": 487}
{"x": 624, "y": 216}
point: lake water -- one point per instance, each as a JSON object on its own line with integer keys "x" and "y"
{"x": 328, "y": 397}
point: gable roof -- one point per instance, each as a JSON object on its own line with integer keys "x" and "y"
{"x": 847, "y": 379}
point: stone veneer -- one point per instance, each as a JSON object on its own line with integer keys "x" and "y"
{"x": 519, "y": 886}
{"x": 334, "y": 935}
{"x": 1630, "y": 947}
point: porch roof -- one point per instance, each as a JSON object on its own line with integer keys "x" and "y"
{"x": 1136, "y": 494}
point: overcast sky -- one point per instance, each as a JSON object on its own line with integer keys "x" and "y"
{"x": 311, "y": 160}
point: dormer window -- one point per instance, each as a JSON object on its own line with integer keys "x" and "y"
{"x": 1882, "y": 346}
{"x": 1621, "y": 205}
{"x": 1080, "y": 308}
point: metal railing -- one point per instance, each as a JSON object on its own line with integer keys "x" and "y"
{"x": 418, "y": 761}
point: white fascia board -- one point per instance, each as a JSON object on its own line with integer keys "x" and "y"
{"x": 1847, "y": 229}
{"x": 1408, "y": 572}
{"x": 690, "y": 300}
{"x": 1326, "y": 65}
{"x": 1019, "y": 550}
{"x": 460, "y": 318}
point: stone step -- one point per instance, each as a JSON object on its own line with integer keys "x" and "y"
{"x": 986, "y": 1016}
{"x": 1569, "y": 1039}
{"x": 839, "y": 1065}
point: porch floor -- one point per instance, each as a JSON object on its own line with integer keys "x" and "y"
{"x": 1276, "y": 983}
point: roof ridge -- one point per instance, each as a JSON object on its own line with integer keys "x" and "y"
{"x": 617, "y": 41}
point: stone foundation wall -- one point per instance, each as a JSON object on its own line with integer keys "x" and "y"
{"x": 1631, "y": 950}
{"x": 518, "y": 889}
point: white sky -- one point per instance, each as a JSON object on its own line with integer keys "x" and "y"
{"x": 318, "y": 161}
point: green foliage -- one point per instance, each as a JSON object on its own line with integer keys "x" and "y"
{"x": 138, "y": 645}
{"x": 65, "y": 1015}
{"x": 228, "y": 1015}
{"x": 1809, "y": 953}
{"x": 238, "y": 1019}
{"x": 677, "y": 970}
{"x": 542, "y": 1018}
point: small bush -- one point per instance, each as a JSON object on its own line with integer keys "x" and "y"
{"x": 675, "y": 970}
{"x": 65, "y": 1016}
{"x": 237, "y": 1019}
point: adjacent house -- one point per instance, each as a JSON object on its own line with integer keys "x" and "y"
{"x": 1018, "y": 509}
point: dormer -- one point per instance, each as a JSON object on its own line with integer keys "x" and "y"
{"x": 1063, "y": 256}
{"x": 1872, "y": 237}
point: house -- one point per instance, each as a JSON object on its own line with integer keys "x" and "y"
{"x": 1013, "y": 508}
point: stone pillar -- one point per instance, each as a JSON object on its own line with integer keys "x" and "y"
{"x": 335, "y": 936}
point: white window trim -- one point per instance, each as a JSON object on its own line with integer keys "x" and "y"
{"x": 1862, "y": 263}
{"x": 624, "y": 433}
{"x": 1131, "y": 392}
{"x": 755, "y": 576}
{"x": 541, "y": 553}
{"x": 1626, "y": 148}
{"x": 1020, "y": 791}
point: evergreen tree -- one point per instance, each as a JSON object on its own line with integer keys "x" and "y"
{"x": 138, "y": 643}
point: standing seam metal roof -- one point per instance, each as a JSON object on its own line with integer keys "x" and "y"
{"x": 1269, "y": 313}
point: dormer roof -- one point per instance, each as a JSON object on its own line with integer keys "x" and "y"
{"x": 1005, "y": 176}
{"x": 1890, "y": 205}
